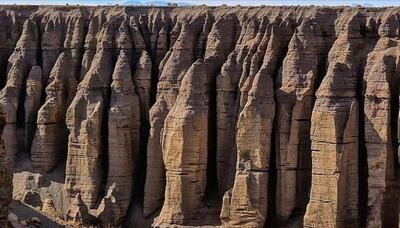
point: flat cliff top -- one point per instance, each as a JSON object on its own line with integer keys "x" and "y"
{"x": 255, "y": 10}
{"x": 295, "y": 13}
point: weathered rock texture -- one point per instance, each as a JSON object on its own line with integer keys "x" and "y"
{"x": 201, "y": 116}
{"x": 380, "y": 113}
{"x": 32, "y": 103}
{"x": 295, "y": 102}
{"x": 5, "y": 178}
{"x": 334, "y": 131}
{"x": 184, "y": 143}
{"x": 123, "y": 142}
{"x": 246, "y": 202}
{"x": 78, "y": 213}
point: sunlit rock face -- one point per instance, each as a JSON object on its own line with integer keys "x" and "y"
{"x": 200, "y": 116}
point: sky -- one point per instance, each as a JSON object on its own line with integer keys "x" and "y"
{"x": 213, "y": 2}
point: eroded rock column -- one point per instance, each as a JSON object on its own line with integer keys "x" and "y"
{"x": 20, "y": 63}
{"x": 174, "y": 68}
{"x": 51, "y": 138}
{"x": 246, "y": 203}
{"x": 90, "y": 44}
{"x": 85, "y": 121}
{"x": 334, "y": 131}
{"x": 184, "y": 144}
{"x": 32, "y": 103}
{"x": 381, "y": 110}
{"x": 295, "y": 102}
{"x": 123, "y": 143}
{"x": 142, "y": 81}
{"x": 52, "y": 40}
{"x": 253, "y": 38}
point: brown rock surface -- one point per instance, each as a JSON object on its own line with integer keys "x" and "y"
{"x": 201, "y": 116}
{"x": 51, "y": 43}
{"x": 49, "y": 208}
{"x": 380, "y": 108}
{"x": 9, "y": 35}
{"x": 334, "y": 131}
{"x": 84, "y": 118}
{"x": 246, "y": 203}
{"x": 184, "y": 143}
{"x": 173, "y": 71}
{"x": 20, "y": 62}
{"x": 123, "y": 143}
{"x": 142, "y": 82}
{"x": 85, "y": 175}
{"x": 32, "y": 103}
{"x": 49, "y": 143}
{"x": 78, "y": 213}
{"x": 5, "y": 179}
{"x": 90, "y": 44}
{"x": 300, "y": 74}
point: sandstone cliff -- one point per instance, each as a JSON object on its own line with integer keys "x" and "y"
{"x": 201, "y": 116}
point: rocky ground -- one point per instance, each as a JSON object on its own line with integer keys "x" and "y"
{"x": 199, "y": 116}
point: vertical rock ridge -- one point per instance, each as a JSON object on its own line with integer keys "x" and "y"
{"x": 253, "y": 157}
{"x": 122, "y": 38}
{"x": 335, "y": 151}
{"x": 227, "y": 101}
{"x": 253, "y": 60}
{"x": 162, "y": 42}
{"x": 246, "y": 203}
{"x": 201, "y": 38}
{"x": 219, "y": 43}
{"x": 381, "y": 94}
{"x": 143, "y": 84}
{"x": 51, "y": 43}
{"x": 20, "y": 62}
{"x": 184, "y": 144}
{"x": 123, "y": 143}
{"x": 32, "y": 103}
{"x": 90, "y": 45}
{"x": 143, "y": 26}
{"x": 295, "y": 102}
{"x": 50, "y": 141}
{"x": 173, "y": 71}
{"x": 136, "y": 35}
{"x": 84, "y": 119}
{"x": 142, "y": 81}
{"x": 9, "y": 34}
{"x": 74, "y": 41}
{"x": 155, "y": 25}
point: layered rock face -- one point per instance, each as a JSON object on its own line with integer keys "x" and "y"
{"x": 380, "y": 108}
{"x": 123, "y": 141}
{"x": 184, "y": 143}
{"x": 201, "y": 116}
{"x": 334, "y": 131}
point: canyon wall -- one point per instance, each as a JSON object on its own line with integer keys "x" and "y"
{"x": 201, "y": 116}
